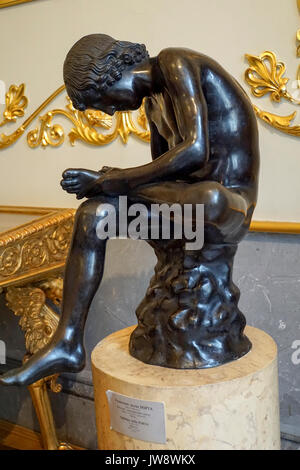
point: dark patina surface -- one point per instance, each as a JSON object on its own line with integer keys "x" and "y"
{"x": 204, "y": 145}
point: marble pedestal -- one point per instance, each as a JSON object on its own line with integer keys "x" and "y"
{"x": 233, "y": 406}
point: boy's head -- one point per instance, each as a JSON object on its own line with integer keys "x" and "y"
{"x": 95, "y": 63}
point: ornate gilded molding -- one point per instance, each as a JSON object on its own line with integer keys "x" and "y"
{"x": 36, "y": 249}
{"x": 91, "y": 127}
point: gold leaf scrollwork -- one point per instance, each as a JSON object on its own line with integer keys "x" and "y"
{"x": 37, "y": 320}
{"x": 264, "y": 79}
{"x": 43, "y": 244}
{"x": 96, "y": 118}
{"x": 281, "y": 123}
{"x": 59, "y": 239}
{"x": 10, "y": 260}
{"x": 48, "y": 134}
{"x": 53, "y": 289}
{"x": 53, "y": 385}
{"x": 7, "y": 140}
{"x": 86, "y": 123}
{"x": 34, "y": 253}
{"x": 15, "y": 104}
{"x": 91, "y": 126}
{"x": 265, "y": 75}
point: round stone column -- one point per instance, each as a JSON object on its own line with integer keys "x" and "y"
{"x": 233, "y": 406}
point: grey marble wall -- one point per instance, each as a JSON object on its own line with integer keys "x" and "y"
{"x": 267, "y": 271}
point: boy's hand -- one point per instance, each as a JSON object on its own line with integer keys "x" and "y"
{"x": 111, "y": 182}
{"x": 89, "y": 183}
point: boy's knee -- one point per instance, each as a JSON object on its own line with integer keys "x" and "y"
{"x": 216, "y": 206}
{"x": 86, "y": 214}
{"x": 86, "y": 208}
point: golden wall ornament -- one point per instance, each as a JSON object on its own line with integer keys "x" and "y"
{"x": 91, "y": 126}
{"x": 266, "y": 76}
{"x": 8, "y": 140}
{"x": 15, "y": 104}
{"x": 281, "y": 123}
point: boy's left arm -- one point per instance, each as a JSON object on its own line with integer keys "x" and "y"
{"x": 183, "y": 80}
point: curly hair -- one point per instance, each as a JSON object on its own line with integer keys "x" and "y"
{"x": 96, "y": 62}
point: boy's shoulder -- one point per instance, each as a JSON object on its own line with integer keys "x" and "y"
{"x": 177, "y": 53}
{"x": 178, "y": 58}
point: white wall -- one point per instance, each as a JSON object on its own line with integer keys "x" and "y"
{"x": 35, "y": 37}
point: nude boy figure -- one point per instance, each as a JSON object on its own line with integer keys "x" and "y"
{"x": 204, "y": 145}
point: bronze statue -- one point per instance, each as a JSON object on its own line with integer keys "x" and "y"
{"x": 204, "y": 145}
